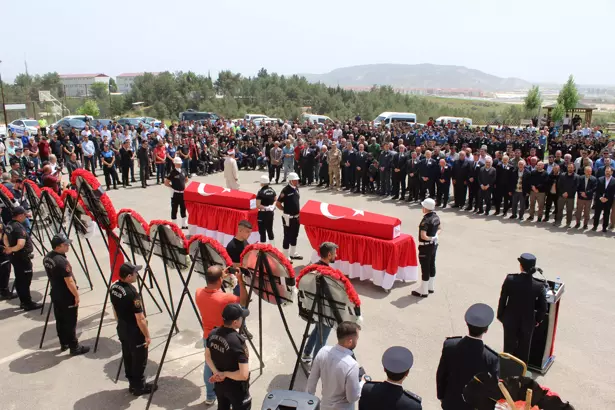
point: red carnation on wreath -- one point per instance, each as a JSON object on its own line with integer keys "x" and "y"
{"x": 110, "y": 209}
{"x": 268, "y": 248}
{"x": 87, "y": 176}
{"x": 173, "y": 227}
{"x": 136, "y": 216}
{"x": 7, "y": 192}
{"x": 34, "y": 186}
{"x": 73, "y": 194}
{"x": 54, "y": 195}
{"x": 221, "y": 250}
{"x": 353, "y": 296}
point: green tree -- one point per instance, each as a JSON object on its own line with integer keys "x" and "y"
{"x": 558, "y": 113}
{"x": 89, "y": 107}
{"x": 112, "y": 86}
{"x": 99, "y": 91}
{"x": 533, "y": 100}
{"x": 117, "y": 105}
{"x": 569, "y": 95}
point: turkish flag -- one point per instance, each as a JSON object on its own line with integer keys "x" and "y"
{"x": 354, "y": 221}
{"x": 203, "y": 193}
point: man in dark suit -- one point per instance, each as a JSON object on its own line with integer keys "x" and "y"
{"x": 605, "y": 192}
{"x": 307, "y": 161}
{"x": 585, "y": 194}
{"x": 412, "y": 169}
{"x": 398, "y": 175}
{"x": 460, "y": 174}
{"x": 503, "y": 191}
{"x": 428, "y": 169}
{"x": 475, "y": 167}
{"x": 486, "y": 181}
{"x": 464, "y": 357}
{"x": 444, "y": 183}
{"x": 522, "y": 307}
{"x": 520, "y": 187}
{"x": 361, "y": 164}
{"x": 390, "y": 394}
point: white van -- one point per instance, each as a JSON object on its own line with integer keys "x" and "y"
{"x": 314, "y": 118}
{"x": 458, "y": 120}
{"x": 387, "y": 118}
{"x": 250, "y": 117}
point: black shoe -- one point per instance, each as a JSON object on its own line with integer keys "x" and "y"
{"x": 594, "y": 228}
{"x": 520, "y": 219}
{"x": 513, "y": 216}
{"x": 419, "y": 295}
{"x": 298, "y": 257}
{"x": 395, "y": 197}
{"x": 577, "y": 225}
{"x": 432, "y": 291}
{"x": 546, "y": 219}
{"x": 108, "y": 188}
{"x": 455, "y": 206}
{"x": 133, "y": 180}
{"x": 539, "y": 219}
{"x": 146, "y": 389}
{"x": 496, "y": 213}
{"x": 127, "y": 185}
{"x": 479, "y": 212}
{"x": 585, "y": 226}
{"x": 79, "y": 350}
{"x": 7, "y": 295}
{"x": 531, "y": 218}
{"x": 604, "y": 230}
{"x": 63, "y": 348}
{"x": 115, "y": 187}
{"x": 468, "y": 208}
{"x": 31, "y": 306}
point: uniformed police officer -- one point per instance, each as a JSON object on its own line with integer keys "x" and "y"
{"x": 64, "y": 294}
{"x": 5, "y": 269}
{"x": 288, "y": 202}
{"x": 522, "y": 307}
{"x": 429, "y": 229}
{"x": 176, "y": 180}
{"x": 18, "y": 244}
{"x": 226, "y": 354}
{"x": 131, "y": 328}
{"x": 464, "y": 357}
{"x": 390, "y": 394}
{"x": 265, "y": 203}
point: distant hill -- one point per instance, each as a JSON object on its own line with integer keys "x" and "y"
{"x": 417, "y": 76}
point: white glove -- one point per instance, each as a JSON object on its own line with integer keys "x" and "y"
{"x": 270, "y": 208}
{"x": 434, "y": 239}
{"x": 286, "y": 219}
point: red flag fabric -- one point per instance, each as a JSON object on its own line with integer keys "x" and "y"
{"x": 115, "y": 253}
{"x": 200, "y": 192}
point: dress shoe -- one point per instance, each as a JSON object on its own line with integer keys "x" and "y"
{"x": 539, "y": 219}
{"x": 417, "y": 294}
{"x": 513, "y": 216}
{"x": 395, "y": 197}
{"x": 594, "y": 228}
{"x": 604, "y": 230}
{"x": 31, "y": 306}
{"x": 530, "y": 219}
{"x": 64, "y": 348}
{"x": 585, "y": 226}
{"x": 7, "y": 295}
{"x": 147, "y": 388}
{"x": 577, "y": 225}
{"x": 79, "y": 350}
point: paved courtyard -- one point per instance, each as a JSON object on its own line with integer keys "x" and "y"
{"x": 474, "y": 256}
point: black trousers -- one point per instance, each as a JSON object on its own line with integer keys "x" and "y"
{"x": 237, "y": 398}
{"x": 428, "y": 185}
{"x": 274, "y": 171}
{"x": 265, "y": 225}
{"x": 291, "y": 232}
{"x": 360, "y": 180}
{"x": 125, "y": 171}
{"x": 399, "y": 181}
{"x": 484, "y": 198}
{"x": 66, "y": 323}
{"x": 498, "y": 196}
{"x": 110, "y": 176}
{"x": 307, "y": 173}
{"x": 143, "y": 174}
{"x": 23, "y": 278}
{"x": 5, "y": 274}
{"x": 517, "y": 341}
{"x": 444, "y": 190}
{"x": 134, "y": 353}
{"x": 605, "y": 210}
{"x": 473, "y": 195}
{"x": 348, "y": 174}
{"x": 427, "y": 259}
{"x": 460, "y": 190}
{"x": 177, "y": 200}
{"x": 551, "y": 200}
{"x": 413, "y": 188}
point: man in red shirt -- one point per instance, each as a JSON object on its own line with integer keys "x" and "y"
{"x": 43, "y": 149}
{"x": 160, "y": 154}
{"x": 211, "y": 301}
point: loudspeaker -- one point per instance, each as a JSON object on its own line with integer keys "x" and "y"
{"x": 290, "y": 400}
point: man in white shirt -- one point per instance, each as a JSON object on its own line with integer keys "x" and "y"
{"x": 86, "y": 132}
{"x": 105, "y": 134}
{"x": 89, "y": 150}
{"x": 339, "y": 371}
{"x": 337, "y": 133}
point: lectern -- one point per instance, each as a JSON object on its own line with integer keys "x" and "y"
{"x": 290, "y": 400}
{"x": 543, "y": 341}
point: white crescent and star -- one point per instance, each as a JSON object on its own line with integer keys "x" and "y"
{"x": 201, "y": 190}
{"x": 324, "y": 209}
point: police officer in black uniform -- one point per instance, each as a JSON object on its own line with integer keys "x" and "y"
{"x": 522, "y": 307}
{"x": 176, "y": 180}
{"x": 429, "y": 229}
{"x": 464, "y": 357}
{"x": 288, "y": 202}
{"x": 226, "y": 354}
{"x": 131, "y": 328}
{"x": 64, "y": 294}
{"x": 18, "y": 245}
{"x": 390, "y": 394}
{"x": 144, "y": 159}
{"x": 5, "y": 266}
{"x": 265, "y": 203}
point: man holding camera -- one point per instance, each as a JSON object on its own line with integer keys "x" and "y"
{"x": 211, "y": 301}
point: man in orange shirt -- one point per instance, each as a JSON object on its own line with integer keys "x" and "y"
{"x": 211, "y": 301}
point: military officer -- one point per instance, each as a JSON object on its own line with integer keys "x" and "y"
{"x": 288, "y": 202}
{"x": 335, "y": 160}
{"x": 64, "y": 294}
{"x": 429, "y": 229}
{"x": 464, "y": 357}
{"x": 18, "y": 244}
{"x": 522, "y": 307}
{"x": 390, "y": 394}
{"x": 132, "y": 328}
{"x": 176, "y": 180}
{"x": 265, "y": 203}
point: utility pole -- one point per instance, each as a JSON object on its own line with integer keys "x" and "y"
{"x": 6, "y": 119}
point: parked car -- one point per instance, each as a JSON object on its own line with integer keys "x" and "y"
{"x": 19, "y": 127}
{"x": 99, "y": 123}
{"x": 68, "y": 124}
{"x": 191, "y": 115}
{"x": 129, "y": 121}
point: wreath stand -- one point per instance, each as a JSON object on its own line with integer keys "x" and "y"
{"x": 203, "y": 258}
{"x": 34, "y": 201}
{"x": 322, "y": 295}
{"x": 263, "y": 271}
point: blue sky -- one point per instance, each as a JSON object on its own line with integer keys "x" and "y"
{"x": 537, "y": 40}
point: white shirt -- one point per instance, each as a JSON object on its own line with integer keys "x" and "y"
{"x": 339, "y": 372}
{"x": 606, "y": 183}
{"x": 84, "y": 133}
{"x": 105, "y": 135}
{"x": 337, "y": 133}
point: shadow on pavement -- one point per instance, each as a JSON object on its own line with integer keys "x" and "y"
{"x": 106, "y": 399}
{"x": 38, "y": 361}
{"x": 405, "y": 301}
{"x": 110, "y": 369}
{"x": 175, "y": 393}
{"x": 282, "y": 382}
{"x": 107, "y": 348}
